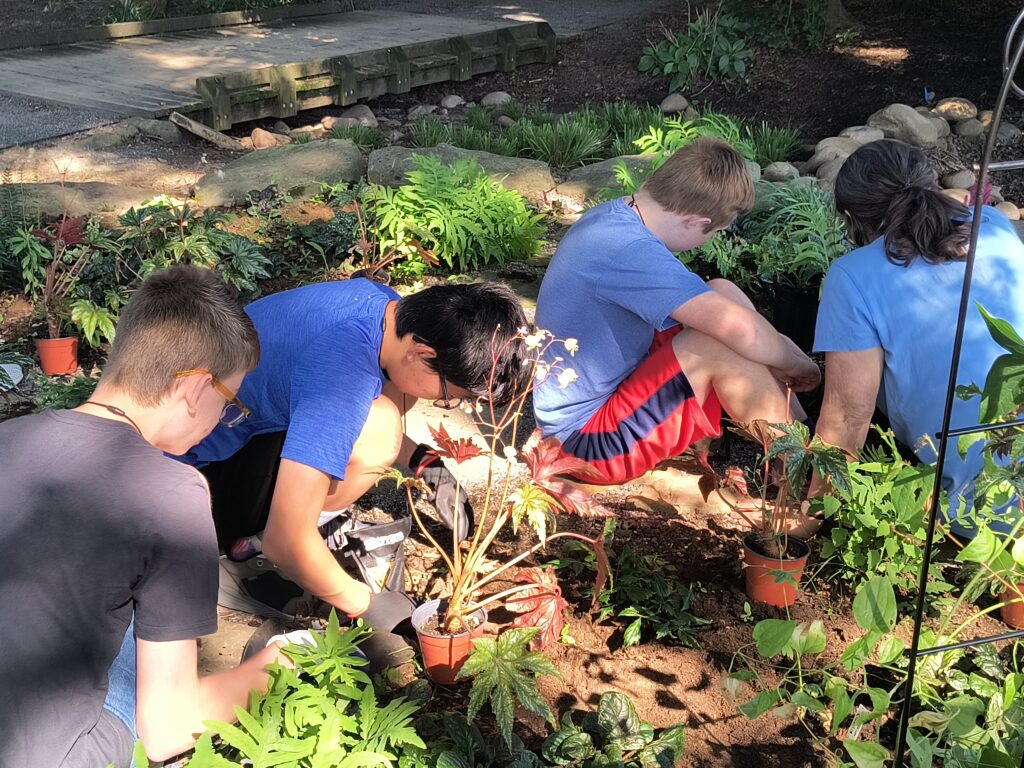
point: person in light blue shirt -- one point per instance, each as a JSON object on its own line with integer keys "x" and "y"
{"x": 888, "y": 311}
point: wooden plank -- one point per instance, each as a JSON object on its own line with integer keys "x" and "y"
{"x": 214, "y": 137}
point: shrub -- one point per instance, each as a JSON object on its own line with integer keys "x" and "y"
{"x": 565, "y": 143}
{"x": 457, "y": 212}
{"x": 783, "y": 23}
{"x": 363, "y": 136}
{"x": 713, "y": 46}
{"x": 429, "y": 131}
{"x": 772, "y": 143}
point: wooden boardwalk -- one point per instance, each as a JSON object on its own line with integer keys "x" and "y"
{"x": 154, "y": 75}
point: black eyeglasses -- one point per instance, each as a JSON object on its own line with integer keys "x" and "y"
{"x": 444, "y": 402}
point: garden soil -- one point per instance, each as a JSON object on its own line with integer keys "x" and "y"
{"x": 949, "y": 48}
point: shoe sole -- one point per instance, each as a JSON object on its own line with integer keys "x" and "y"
{"x": 230, "y": 596}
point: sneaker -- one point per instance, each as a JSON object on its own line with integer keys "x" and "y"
{"x": 256, "y": 586}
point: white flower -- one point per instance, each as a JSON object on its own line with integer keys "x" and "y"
{"x": 572, "y": 346}
{"x": 510, "y": 452}
{"x": 567, "y": 377}
{"x": 523, "y": 331}
{"x": 534, "y": 340}
{"x": 467, "y": 407}
{"x": 542, "y": 371}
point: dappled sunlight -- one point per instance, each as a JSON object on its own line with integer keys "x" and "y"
{"x": 878, "y": 56}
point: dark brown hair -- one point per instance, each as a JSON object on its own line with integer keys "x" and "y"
{"x": 888, "y": 188}
{"x": 705, "y": 178}
{"x": 181, "y": 318}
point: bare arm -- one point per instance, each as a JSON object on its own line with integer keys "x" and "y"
{"x": 173, "y": 701}
{"x": 852, "y": 380}
{"x": 748, "y": 334}
{"x": 293, "y": 543}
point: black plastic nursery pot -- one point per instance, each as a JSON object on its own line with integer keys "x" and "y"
{"x": 795, "y": 312}
{"x": 761, "y": 570}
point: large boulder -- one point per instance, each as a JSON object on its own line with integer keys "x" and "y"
{"x": 531, "y": 178}
{"x": 832, "y": 148}
{"x": 161, "y": 130}
{"x": 828, "y": 171}
{"x": 941, "y": 125}
{"x": 108, "y": 137}
{"x": 586, "y": 182}
{"x": 903, "y": 122}
{"x": 969, "y": 128}
{"x": 862, "y": 134}
{"x": 47, "y": 201}
{"x": 302, "y": 166}
{"x": 962, "y": 179}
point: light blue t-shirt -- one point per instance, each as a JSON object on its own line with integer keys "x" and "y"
{"x": 911, "y": 312}
{"x": 611, "y": 285}
{"x": 319, "y": 371}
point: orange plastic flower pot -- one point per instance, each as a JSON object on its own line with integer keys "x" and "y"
{"x": 1013, "y": 612}
{"x": 58, "y": 357}
{"x": 444, "y": 655}
{"x": 763, "y": 586}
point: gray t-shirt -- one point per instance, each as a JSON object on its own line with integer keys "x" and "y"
{"x": 95, "y": 523}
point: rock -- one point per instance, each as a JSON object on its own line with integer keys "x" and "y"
{"x": 281, "y": 127}
{"x": 328, "y": 122}
{"x": 755, "y": 171}
{"x": 941, "y": 125}
{"x": 495, "y": 99}
{"x": 960, "y": 195}
{"x": 586, "y": 182}
{"x": 1007, "y": 133}
{"x": 531, "y": 178}
{"x": 79, "y": 198}
{"x": 452, "y": 101}
{"x": 830, "y": 149}
{"x": 674, "y": 103}
{"x": 956, "y": 109}
{"x": 301, "y": 166}
{"x": 959, "y": 180}
{"x": 420, "y": 110}
{"x": 362, "y": 113}
{"x": 862, "y": 134}
{"x": 690, "y": 114}
{"x": 504, "y": 121}
{"x": 780, "y": 171}
{"x": 969, "y": 128}
{"x": 995, "y": 195}
{"x": 314, "y": 132}
{"x": 827, "y": 185}
{"x": 899, "y": 121}
{"x": 828, "y": 171}
{"x": 109, "y": 136}
{"x": 1009, "y": 210}
{"x": 246, "y": 142}
{"x": 985, "y": 118}
{"x": 262, "y": 139}
{"x": 161, "y": 130}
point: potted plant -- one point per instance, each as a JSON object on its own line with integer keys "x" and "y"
{"x": 521, "y": 486}
{"x": 51, "y": 264}
{"x": 773, "y": 557}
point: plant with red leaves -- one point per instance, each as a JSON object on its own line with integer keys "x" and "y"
{"x": 513, "y": 497}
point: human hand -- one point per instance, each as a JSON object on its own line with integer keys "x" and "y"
{"x": 295, "y": 637}
{"x": 450, "y": 499}
{"x": 801, "y": 374}
{"x": 387, "y": 610}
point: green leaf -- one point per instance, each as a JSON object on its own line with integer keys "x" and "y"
{"x": 631, "y": 636}
{"x": 982, "y": 548}
{"x": 617, "y": 722}
{"x": 866, "y": 754}
{"x": 773, "y": 636}
{"x": 1003, "y": 333}
{"x": 808, "y": 702}
{"x": 922, "y": 754}
{"x": 874, "y": 607}
{"x": 760, "y": 704}
{"x": 890, "y": 649}
{"x": 665, "y": 750}
{"x": 809, "y": 638}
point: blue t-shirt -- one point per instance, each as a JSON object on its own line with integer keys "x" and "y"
{"x": 319, "y": 372}
{"x": 910, "y": 312}
{"x": 611, "y": 285}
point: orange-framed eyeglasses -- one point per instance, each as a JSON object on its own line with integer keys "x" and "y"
{"x": 235, "y": 411}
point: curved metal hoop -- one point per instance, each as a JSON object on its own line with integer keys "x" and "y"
{"x": 1008, "y": 51}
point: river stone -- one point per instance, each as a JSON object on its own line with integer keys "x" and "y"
{"x": 955, "y": 109}
{"x": 362, "y": 113}
{"x": 1007, "y": 133}
{"x": 262, "y": 139}
{"x": 969, "y": 128}
{"x": 301, "y": 166}
{"x": 48, "y": 201}
{"x": 109, "y": 136}
{"x": 504, "y": 121}
{"x": 830, "y": 149}
{"x": 755, "y": 171}
{"x": 584, "y": 183}
{"x": 420, "y": 110}
{"x": 495, "y": 99}
{"x": 531, "y": 178}
{"x": 903, "y": 122}
{"x": 962, "y": 179}
{"x": 1009, "y": 210}
{"x": 941, "y": 125}
{"x": 161, "y": 130}
{"x": 452, "y": 101}
{"x": 862, "y": 134}
{"x": 674, "y": 103}
{"x": 828, "y": 171}
{"x": 985, "y": 118}
{"x": 779, "y": 171}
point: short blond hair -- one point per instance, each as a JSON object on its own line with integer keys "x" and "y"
{"x": 181, "y": 318}
{"x": 705, "y": 178}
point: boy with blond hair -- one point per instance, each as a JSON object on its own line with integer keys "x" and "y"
{"x": 661, "y": 351}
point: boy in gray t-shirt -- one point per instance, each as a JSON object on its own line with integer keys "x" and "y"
{"x": 108, "y": 558}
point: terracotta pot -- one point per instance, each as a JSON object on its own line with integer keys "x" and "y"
{"x": 59, "y": 357}
{"x": 761, "y": 585}
{"x": 444, "y": 655}
{"x": 1013, "y": 612}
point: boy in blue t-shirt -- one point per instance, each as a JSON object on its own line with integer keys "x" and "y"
{"x": 341, "y": 364}
{"x": 661, "y": 352}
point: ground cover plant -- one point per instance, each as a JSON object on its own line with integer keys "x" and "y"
{"x": 714, "y": 45}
